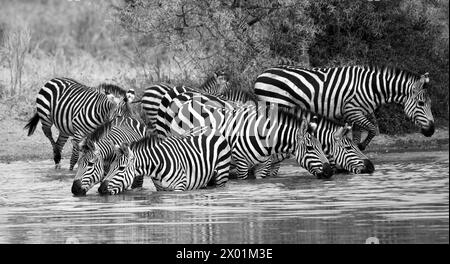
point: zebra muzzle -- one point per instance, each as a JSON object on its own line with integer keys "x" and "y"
{"x": 428, "y": 131}
{"x": 77, "y": 188}
{"x": 103, "y": 189}
{"x": 327, "y": 171}
{"x": 368, "y": 166}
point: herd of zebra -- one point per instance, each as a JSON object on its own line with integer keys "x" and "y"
{"x": 189, "y": 138}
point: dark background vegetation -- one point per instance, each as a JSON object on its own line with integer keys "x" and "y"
{"x": 136, "y": 43}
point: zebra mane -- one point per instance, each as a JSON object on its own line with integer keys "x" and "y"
{"x": 237, "y": 94}
{"x": 100, "y": 131}
{"x": 149, "y": 140}
{"x": 108, "y": 88}
{"x": 393, "y": 71}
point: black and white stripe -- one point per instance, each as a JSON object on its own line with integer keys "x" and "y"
{"x": 75, "y": 110}
{"x": 153, "y": 95}
{"x": 97, "y": 150}
{"x": 255, "y": 133}
{"x": 177, "y": 163}
{"x": 348, "y": 93}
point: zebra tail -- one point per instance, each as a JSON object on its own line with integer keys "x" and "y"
{"x": 32, "y": 124}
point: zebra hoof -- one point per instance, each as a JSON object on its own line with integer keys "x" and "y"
{"x": 57, "y": 166}
{"x": 361, "y": 146}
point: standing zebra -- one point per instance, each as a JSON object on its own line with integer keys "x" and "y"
{"x": 177, "y": 163}
{"x": 75, "y": 110}
{"x": 255, "y": 133}
{"x": 349, "y": 93}
{"x": 153, "y": 95}
{"x": 97, "y": 150}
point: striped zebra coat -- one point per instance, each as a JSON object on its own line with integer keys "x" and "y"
{"x": 255, "y": 134}
{"x": 349, "y": 94}
{"x": 177, "y": 163}
{"x": 97, "y": 150}
{"x": 151, "y": 100}
{"x": 75, "y": 110}
{"x": 175, "y": 98}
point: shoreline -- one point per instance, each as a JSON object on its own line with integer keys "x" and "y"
{"x": 17, "y": 146}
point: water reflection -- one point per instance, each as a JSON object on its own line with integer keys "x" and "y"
{"x": 404, "y": 201}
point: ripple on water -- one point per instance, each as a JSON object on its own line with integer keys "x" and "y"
{"x": 404, "y": 200}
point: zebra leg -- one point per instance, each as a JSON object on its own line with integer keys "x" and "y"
{"x": 276, "y": 160}
{"x": 60, "y": 142}
{"x": 263, "y": 169}
{"x": 360, "y": 122}
{"x": 274, "y": 168}
{"x": 242, "y": 170}
{"x": 138, "y": 181}
{"x": 46, "y": 128}
{"x": 356, "y": 134}
{"x": 371, "y": 134}
{"x": 73, "y": 158}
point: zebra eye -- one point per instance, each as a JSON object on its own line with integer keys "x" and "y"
{"x": 310, "y": 148}
{"x": 348, "y": 147}
{"x": 122, "y": 168}
{"x": 90, "y": 164}
{"x": 421, "y": 103}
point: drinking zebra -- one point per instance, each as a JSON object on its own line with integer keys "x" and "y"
{"x": 255, "y": 133}
{"x": 177, "y": 163}
{"x": 75, "y": 110}
{"x": 349, "y": 93}
{"x": 97, "y": 150}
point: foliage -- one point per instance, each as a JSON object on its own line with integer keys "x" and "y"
{"x": 135, "y": 43}
{"x": 411, "y": 35}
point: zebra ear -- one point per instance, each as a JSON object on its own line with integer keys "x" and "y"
{"x": 425, "y": 78}
{"x": 303, "y": 126}
{"x": 312, "y": 127}
{"x": 117, "y": 149}
{"x": 124, "y": 148}
{"x": 339, "y": 133}
{"x": 131, "y": 95}
{"x": 348, "y": 127}
{"x": 96, "y": 149}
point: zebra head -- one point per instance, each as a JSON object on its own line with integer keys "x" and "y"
{"x": 418, "y": 107}
{"x": 122, "y": 106}
{"x": 121, "y": 173}
{"x": 216, "y": 84}
{"x": 309, "y": 153}
{"x": 346, "y": 153}
{"x": 90, "y": 167}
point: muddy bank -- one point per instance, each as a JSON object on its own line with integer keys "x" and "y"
{"x": 16, "y": 145}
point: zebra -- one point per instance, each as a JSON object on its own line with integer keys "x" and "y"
{"x": 348, "y": 94}
{"x": 255, "y": 133}
{"x": 153, "y": 95}
{"x": 75, "y": 110}
{"x": 97, "y": 150}
{"x": 177, "y": 163}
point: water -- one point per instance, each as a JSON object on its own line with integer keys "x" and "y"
{"x": 405, "y": 201}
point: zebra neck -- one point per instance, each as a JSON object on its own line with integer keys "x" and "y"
{"x": 286, "y": 136}
{"x": 388, "y": 86}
